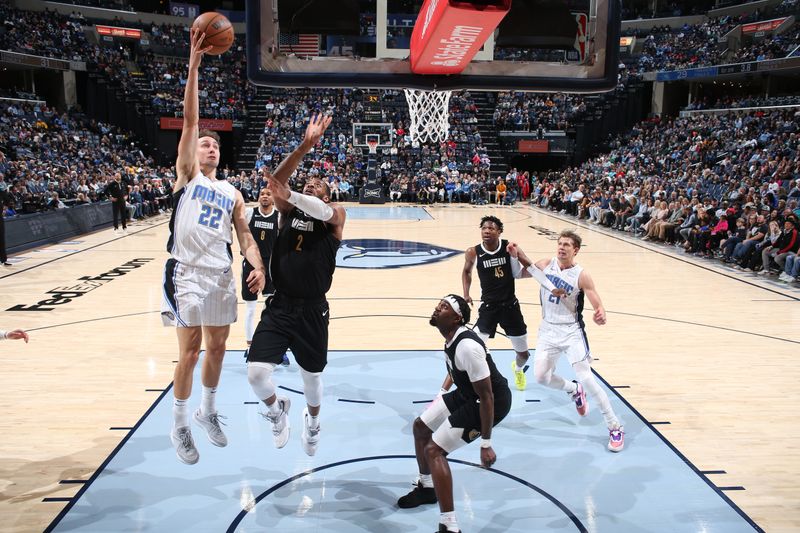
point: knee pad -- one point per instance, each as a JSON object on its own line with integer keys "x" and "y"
{"x": 260, "y": 377}
{"x": 312, "y": 387}
{"x": 520, "y": 344}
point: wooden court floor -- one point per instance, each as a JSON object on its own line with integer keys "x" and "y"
{"x": 706, "y": 353}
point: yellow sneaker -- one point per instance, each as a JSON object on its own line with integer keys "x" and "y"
{"x": 519, "y": 376}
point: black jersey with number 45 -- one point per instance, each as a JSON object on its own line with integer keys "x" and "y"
{"x": 494, "y": 271}
{"x": 304, "y": 257}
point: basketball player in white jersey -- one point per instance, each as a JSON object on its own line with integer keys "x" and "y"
{"x": 562, "y": 330}
{"x": 199, "y": 289}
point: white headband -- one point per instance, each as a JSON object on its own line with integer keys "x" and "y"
{"x": 454, "y": 304}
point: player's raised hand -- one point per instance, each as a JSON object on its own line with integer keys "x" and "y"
{"x": 197, "y": 49}
{"x": 280, "y": 191}
{"x": 316, "y": 128}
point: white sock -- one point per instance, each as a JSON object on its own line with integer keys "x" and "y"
{"x": 209, "y": 396}
{"x": 180, "y": 413}
{"x": 449, "y": 520}
{"x": 426, "y": 480}
{"x": 249, "y": 315}
{"x": 313, "y": 421}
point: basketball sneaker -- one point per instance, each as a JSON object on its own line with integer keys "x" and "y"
{"x": 579, "y": 397}
{"x": 280, "y": 421}
{"x": 211, "y": 424}
{"x": 419, "y": 495}
{"x": 443, "y": 529}
{"x": 310, "y": 437}
{"x": 184, "y": 445}
{"x": 616, "y": 439}
{"x": 519, "y": 376}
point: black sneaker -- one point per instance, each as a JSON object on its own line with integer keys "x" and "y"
{"x": 443, "y": 529}
{"x": 418, "y": 496}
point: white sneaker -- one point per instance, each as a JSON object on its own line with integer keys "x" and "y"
{"x": 184, "y": 445}
{"x": 211, "y": 424}
{"x": 310, "y": 437}
{"x": 280, "y": 422}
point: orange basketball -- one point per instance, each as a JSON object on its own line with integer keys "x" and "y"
{"x": 218, "y": 30}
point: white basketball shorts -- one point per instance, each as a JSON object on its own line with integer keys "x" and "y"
{"x": 568, "y": 339}
{"x": 195, "y": 296}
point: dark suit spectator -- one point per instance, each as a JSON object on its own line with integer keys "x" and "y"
{"x": 117, "y": 192}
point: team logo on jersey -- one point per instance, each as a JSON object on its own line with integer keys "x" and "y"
{"x": 384, "y": 253}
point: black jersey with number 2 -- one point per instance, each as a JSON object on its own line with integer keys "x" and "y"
{"x": 304, "y": 257}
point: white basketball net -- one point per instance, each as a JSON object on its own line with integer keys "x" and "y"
{"x": 429, "y": 115}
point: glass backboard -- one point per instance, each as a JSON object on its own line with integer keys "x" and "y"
{"x": 540, "y": 45}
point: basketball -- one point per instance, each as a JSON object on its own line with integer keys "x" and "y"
{"x": 218, "y": 30}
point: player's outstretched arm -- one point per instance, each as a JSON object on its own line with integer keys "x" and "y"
{"x": 187, "y": 165}
{"x": 314, "y": 131}
{"x": 534, "y": 270}
{"x": 586, "y": 284}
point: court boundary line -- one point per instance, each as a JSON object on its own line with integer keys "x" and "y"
{"x": 621, "y": 313}
{"x": 81, "y": 251}
{"x": 100, "y": 469}
{"x": 681, "y": 456}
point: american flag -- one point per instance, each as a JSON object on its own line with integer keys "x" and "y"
{"x": 302, "y": 44}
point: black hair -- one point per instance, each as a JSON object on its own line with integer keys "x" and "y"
{"x": 490, "y": 218}
{"x": 463, "y": 307}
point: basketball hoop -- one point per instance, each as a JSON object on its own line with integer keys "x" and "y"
{"x": 430, "y": 117}
{"x": 373, "y": 146}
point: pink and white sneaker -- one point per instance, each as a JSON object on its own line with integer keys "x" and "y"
{"x": 616, "y": 439}
{"x": 579, "y": 397}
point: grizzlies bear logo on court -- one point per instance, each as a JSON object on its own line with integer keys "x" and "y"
{"x": 384, "y": 253}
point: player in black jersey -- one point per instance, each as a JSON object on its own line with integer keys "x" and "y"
{"x": 499, "y": 304}
{"x": 263, "y": 224}
{"x": 296, "y": 316}
{"x": 479, "y": 402}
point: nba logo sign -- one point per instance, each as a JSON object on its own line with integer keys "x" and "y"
{"x": 580, "y": 37}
